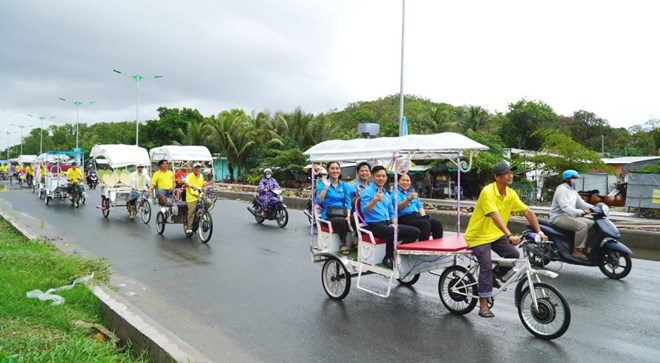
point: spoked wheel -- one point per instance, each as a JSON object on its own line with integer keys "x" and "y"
{"x": 458, "y": 290}
{"x": 145, "y": 211}
{"x": 105, "y": 207}
{"x": 257, "y": 215}
{"x": 205, "y": 227}
{"x": 212, "y": 204}
{"x": 282, "y": 217}
{"x": 160, "y": 222}
{"x": 336, "y": 279}
{"x": 409, "y": 280}
{"x": 614, "y": 264}
{"x": 553, "y": 316}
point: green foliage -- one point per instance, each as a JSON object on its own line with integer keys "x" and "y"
{"x": 523, "y": 119}
{"x": 651, "y": 169}
{"x": 484, "y": 161}
{"x": 562, "y": 152}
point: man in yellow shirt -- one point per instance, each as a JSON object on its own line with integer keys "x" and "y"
{"x": 74, "y": 177}
{"x": 29, "y": 174}
{"x": 163, "y": 182}
{"x": 487, "y": 229}
{"x": 194, "y": 180}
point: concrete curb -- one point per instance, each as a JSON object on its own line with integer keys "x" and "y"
{"x": 128, "y": 322}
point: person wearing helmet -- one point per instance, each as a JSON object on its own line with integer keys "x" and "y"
{"x": 266, "y": 185}
{"x": 568, "y": 210}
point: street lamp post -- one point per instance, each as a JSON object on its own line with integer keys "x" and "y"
{"x": 77, "y": 104}
{"x": 21, "y": 127}
{"x": 403, "y": 27}
{"x": 41, "y": 131}
{"x": 8, "y": 133}
{"x": 137, "y": 78}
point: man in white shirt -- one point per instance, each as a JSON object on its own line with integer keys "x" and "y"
{"x": 139, "y": 182}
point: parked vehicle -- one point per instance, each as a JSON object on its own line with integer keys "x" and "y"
{"x": 276, "y": 209}
{"x": 607, "y": 252}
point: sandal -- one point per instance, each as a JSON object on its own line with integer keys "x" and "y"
{"x": 344, "y": 249}
{"x": 580, "y": 256}
{"x": 486, "y": 313}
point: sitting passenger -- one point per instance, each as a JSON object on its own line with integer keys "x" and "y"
{"x": 412, "y": 213}
{"x": 163, "y": 182}
{"x": 139, "y": 183}
{"x": 335, "y": 201}
{"x": 378, "y": 213}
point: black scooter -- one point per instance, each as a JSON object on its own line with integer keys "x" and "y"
{"x": 276, "y": 209}
{"x": 610, "y": 255}
{"x": 92, "y": 180}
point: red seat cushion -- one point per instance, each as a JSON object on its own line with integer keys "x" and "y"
{"x": 445, "y": 244}
{"x": 379, "y": 241}
{"x": 326, "y": 229}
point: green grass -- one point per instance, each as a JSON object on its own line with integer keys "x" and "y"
{"x": 36, "y": 331}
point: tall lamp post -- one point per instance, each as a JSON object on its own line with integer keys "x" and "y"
{"x": 8, "y": 133}
{"x": 41, "y": 131}
{"x": 77, "y": 104}
{"x": 137, "y": 78}
{"x": 21, "y": 127}
{"x": 403, "y": 27}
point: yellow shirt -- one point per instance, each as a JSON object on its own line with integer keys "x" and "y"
{"x": 195, "y": 181}
{"x": 481, "y": 229}
{"x": 74, "y": 175}
{"x": 163, "y": 180}
{"x": 29, "y": 170}
{"x": 18, "y": 168}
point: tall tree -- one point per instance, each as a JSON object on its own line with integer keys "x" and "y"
{"x": 523, "y": 119}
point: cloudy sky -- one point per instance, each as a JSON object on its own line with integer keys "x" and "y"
{"x": 600, "y": 56}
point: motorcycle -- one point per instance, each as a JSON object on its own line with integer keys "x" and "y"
{"x": 610, "y": 255}
{"x": 92, "y": 180}
{"x": 276, "y": 209}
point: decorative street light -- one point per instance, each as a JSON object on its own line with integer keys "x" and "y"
{"x": 7, "y": 150}
{"x": 21, "y": 127}
{"x": 41, "y": 131}
{"x": 137, "y": 78}
{"x": 77, "y": 103}
{"x": 403, "y": 27}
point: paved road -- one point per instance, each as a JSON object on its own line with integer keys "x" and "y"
{"x": 252, "y": 294}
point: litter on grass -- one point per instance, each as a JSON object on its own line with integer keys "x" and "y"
{"x": 57, "y": 299}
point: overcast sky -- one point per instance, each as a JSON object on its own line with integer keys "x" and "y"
{"x": 600, "y": 56}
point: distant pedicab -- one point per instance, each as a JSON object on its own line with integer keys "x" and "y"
{"x": 62, "y": 184}
{"x": 542, "y": 309}
{"x": 120, "y": 183}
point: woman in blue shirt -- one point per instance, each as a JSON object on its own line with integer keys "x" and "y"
{"x": 334, "y": 197}
{"x": 412, "y": 213}
{"x": 378, "y": 212}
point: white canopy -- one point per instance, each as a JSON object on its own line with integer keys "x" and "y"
{"x": 416, "y": 146}
{"x": 181, "y": 153}
{"x": 119, "y": 155}
{"x": 27, "y": 159}
{"x": 53, "y": 158}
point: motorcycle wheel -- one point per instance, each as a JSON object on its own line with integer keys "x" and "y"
{"x": 282, "y": 217}
{"x": 553, "y": 316}
{"x": 458, "y": 290}
{"x": 160, "y": 222}
{"x": 145, "y": 211}
{"x": 205, "y": 227}
{"x": 257, "y": 214}
{"x": 614, "y": 264}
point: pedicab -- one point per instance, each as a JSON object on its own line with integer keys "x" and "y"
{"x": 56, "y": 185}
{"x": 542, "y": 309}
{"x": 115, "y": 181}
{"x": 45, "y": 162}
{"x": 174, "y": 210}
{"x": 26, "y": 160}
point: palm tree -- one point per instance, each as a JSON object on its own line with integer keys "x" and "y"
{"x": 438, "y": 120}
{"x": 475, "y": 118}
{"x": 196, "y": 133}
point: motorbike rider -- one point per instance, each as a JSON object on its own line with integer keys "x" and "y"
{"x": 74, "y": 177}
{"x": 163, "y": 181}
{"x": 139, "y": 182}
{"x": 194, "y": 183}
{"x": 264, "y": 190}
{"x": 91, "y": 172}
{"x": 568, "y": 210}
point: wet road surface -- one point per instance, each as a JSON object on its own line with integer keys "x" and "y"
{"x": 253, "y": 294}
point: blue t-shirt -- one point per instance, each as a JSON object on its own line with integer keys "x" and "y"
{"x": 382, "y": 211}
{"x": 357, "y": 185}
{"x": 338, "y": 196}
{"x": 413, "y": 206}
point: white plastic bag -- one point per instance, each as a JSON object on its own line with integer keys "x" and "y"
{"x": 57, "y": 299}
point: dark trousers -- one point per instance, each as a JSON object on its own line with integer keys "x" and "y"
{"x": 406, "y": 234}
{"x": 425, "y": 226}
{"x": 340, "y": 225}
{"x": 504, "y": 249}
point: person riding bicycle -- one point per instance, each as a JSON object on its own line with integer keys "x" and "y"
{"x": 74, "y": 177}
{"x": 487, "y": 229}
{"x": 139, "y": 183}
{"x": 265, "y": 188}
{"x": 163, "y": 181}
{"x": 29, "y": 174}
{"x": 194, "y": 183}
{"x": 568, "y": 210}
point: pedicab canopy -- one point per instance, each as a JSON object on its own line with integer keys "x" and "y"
{"x": 27, "y": 159}
{"x": 120, "y": 155}
{"x": 53, "y": 157}
{"x": 187, "y": 153}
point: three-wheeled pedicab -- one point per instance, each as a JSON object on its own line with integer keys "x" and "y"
{"x": 542, "y": 309}
{"x": 56, "y": 185}
{"x": 175, "y": 210}
{"x": 116, "y": 188}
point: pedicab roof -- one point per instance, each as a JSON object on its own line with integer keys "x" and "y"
{"x": 53, "y": 157}
{"x": 417, "y": 146}
{"x": 27, "y": 159}
{"x": 181, "y": 153}
{"x": 120, "y": 155}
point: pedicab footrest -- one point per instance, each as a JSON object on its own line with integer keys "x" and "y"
{"x": 445, "y": 244}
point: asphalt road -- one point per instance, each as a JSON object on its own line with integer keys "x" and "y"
{"x": 253, "y": 294}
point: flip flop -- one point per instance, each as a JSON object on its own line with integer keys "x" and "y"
{"x": 344, "y": 249}
{"x": 486, "y": 313}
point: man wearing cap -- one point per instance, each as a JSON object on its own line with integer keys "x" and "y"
{"x": 163, "y": 182}
{"x": 194, "y": 183}
{"x": 139, "y": 183}
{"x": 487, "y": 229}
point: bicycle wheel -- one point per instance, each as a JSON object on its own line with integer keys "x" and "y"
{"x": 335, "y": 279}
{"x": 205, "y": 226}
{"x": 145, "y": 211}
{"x": 458, "y": 290}
{"x": 105, "y": 207}
{"x": 553, "y": 316}
{"x": 160, "y": 222}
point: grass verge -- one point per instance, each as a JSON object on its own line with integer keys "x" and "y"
{"x": 36, "y": 331}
